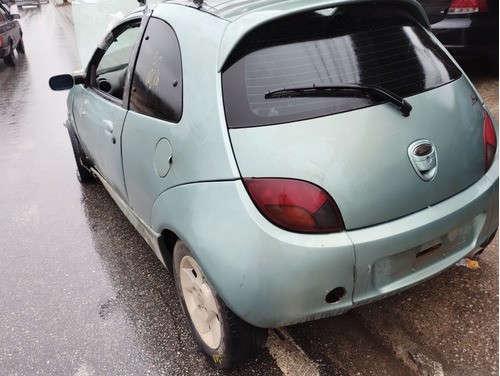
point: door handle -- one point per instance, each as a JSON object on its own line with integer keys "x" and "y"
{"x": 108, "y": 129}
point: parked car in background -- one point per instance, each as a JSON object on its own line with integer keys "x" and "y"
{"x": 467, "y": 28}
{"x": 25, "y": 3}
{"x": 11, "y": 36}
{"x": 287, "y": 160}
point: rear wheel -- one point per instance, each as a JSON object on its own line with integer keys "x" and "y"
{"x": 11, "y": 59}
{"x": 222, "y": 336}
{"x": 83, "y": 174}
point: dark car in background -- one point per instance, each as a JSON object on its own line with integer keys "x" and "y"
{"x": 467, "y": 28}
{"x": 11, "y": 36}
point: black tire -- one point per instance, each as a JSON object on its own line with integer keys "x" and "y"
{"x": 11, "y": 59}
{"x": 83, "y": 174}
{"x": 20, "y": 47}
{"x": 229, "y": 340}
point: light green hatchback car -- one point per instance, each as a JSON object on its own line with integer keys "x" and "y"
{"x": 287, "y": 160}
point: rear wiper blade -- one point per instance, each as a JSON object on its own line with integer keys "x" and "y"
{"x": 342, "y": 90}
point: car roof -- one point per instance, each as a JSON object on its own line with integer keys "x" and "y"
{"x": 244, "y": 15}
{"x": 230, "y": 10}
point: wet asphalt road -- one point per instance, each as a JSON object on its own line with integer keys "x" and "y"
{"x": 82, "y": 294}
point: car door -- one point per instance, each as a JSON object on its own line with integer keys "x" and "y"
{"x": 4, "y": 25}
{"x": 8, "y": 29}
{"x": 99, "y": 109}
{"x": 152, "y": 125}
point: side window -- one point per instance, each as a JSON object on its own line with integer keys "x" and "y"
{"x": 110, "y": 62}
{"x": 157, "y": 79}
{"x": 3, "y": 18}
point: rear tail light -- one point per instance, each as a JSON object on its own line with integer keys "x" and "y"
{"x": 295, "y": 205}
{"x": 468, "y": 6}
{"x": 490, "y": 141}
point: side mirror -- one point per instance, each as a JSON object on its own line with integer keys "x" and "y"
{"x": 66, "y": 81}
{"x": 15, "y": 16}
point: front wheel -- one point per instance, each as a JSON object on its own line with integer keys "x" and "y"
{"x": 222, "y": 336}
{"x": 83, "y": 175}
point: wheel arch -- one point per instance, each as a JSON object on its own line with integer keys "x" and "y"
{"x": 167, "y": 242}
{"x": 75, "y": 140}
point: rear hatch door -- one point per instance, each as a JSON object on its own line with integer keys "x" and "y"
{"x": 364, "y": 159}
{"x": 376, "y": 163}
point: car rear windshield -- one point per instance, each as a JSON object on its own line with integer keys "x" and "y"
{"x": 369, "y": 45}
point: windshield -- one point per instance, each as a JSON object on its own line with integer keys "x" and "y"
{"x": 370, "y": 45}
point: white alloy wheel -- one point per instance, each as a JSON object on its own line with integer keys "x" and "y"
{"x": 201, "y": 302}
{"x": 223, "y": 337}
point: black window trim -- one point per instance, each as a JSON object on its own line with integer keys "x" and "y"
{"x": 99, "y": 53}
{"x": 135, "y": 53}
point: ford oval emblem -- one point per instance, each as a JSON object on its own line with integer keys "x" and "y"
{"x": 422, "y": 150}
{"x": 423, "y": 158}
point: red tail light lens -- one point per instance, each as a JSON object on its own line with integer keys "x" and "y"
{"x": 295, "y": 205}
{"x": 468, "y": 6}
{"x": 490, "y": 141}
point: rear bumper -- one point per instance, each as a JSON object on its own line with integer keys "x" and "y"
{"x": 271, "y": 277}
{"x": 397, "y": 255}
{"x": 28, "y": 3}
